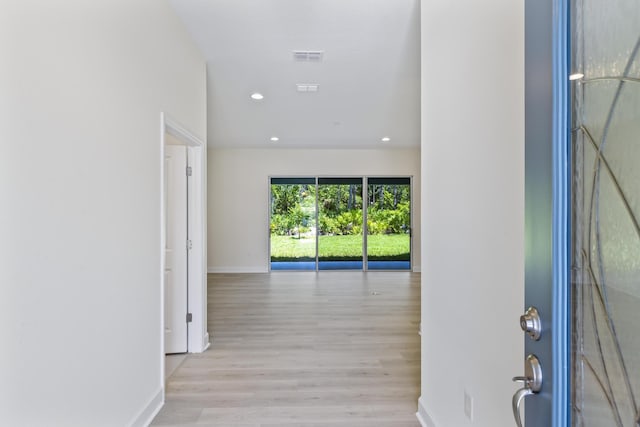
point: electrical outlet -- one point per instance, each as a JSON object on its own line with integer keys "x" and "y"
{"x": 468, "y": 405}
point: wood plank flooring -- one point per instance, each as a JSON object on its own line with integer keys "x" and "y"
{"x": 303, "y": 349}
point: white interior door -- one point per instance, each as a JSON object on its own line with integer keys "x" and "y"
{"x": 175, "y": 271}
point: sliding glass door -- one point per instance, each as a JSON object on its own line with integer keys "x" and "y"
{"x": 319, "y": 223}
{"x": 388, "y": 224}
{"x": 293, "y": 224}
{"x": 340, "y": 226}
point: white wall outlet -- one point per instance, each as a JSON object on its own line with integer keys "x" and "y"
{"x": 468, "y": 405}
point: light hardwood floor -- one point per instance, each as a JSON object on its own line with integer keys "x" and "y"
{"x": 304, "y": 349}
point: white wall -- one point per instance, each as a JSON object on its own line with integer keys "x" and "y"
{"x": 238, "y": 186}
{"x": 473, "y": 209}
{"x": 83, "y": 85}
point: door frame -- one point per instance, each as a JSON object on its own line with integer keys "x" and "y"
{"x": 197, "y": 334}
{"x": 365, "y": 179}
{"x": 561, "y": 217}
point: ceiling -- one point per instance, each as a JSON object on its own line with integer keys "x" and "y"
{"x": 368, "y": 79}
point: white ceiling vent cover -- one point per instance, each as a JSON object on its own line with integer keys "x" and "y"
{"x": 307, "y": 55}
{"x": 307, "y": 87}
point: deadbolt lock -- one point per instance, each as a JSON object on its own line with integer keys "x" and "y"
{"x": 531, "y": 324}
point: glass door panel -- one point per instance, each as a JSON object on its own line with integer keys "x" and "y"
{"x": 606, "y": 256}
{"x": 388, "y": 224}
{"x": 340, "y": 224}
{"x": 293, "y": 224}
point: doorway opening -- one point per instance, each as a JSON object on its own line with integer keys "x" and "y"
{"x": 340, "y": 223}
{"x": 182, "y": 241}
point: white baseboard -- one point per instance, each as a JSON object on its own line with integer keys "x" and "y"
{"x": 148, "y": 413}
{"x": 237, "y": 270}
{"x": 205, "y": 345}
{"x": 423, "y": 417}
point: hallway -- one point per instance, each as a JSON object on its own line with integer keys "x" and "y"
{"x": 331, "y": 349}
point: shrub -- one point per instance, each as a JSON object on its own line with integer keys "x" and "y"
{"x": 350, "y": 222}
{"x": 376, "y": 227}
{"x": 389, "y": 221}
{"x": 281, "y": 225}
{"x": 327, "y": 225}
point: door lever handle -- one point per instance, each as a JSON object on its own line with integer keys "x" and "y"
{"x": 515, "y": 402}
{"x": 532, "y": 384}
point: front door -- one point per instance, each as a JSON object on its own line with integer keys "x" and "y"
{"x": 582, "y": 214}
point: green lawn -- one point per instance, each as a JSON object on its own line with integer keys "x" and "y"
{"x": 389, "y": 247}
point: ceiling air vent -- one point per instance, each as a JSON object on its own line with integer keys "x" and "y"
{"x": 307, "y": 55}
{"x": 307, "y": 87}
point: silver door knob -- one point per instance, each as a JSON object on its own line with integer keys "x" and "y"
{"x": 532, "y": 380}
{"x": 531, "y": 324}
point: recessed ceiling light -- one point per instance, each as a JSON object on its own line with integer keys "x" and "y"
{"x": 275, "y": 139}
{"x": 385, "y": 139}
{"x": 576, "y": 76}
{"x": 257, "y": 96}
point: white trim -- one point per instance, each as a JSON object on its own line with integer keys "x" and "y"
{"x": 174, "y": 128}
{"x": 163, "y": 243}
{"x": 422, "y": 422}
{"x": 148, "y": 413}
{"x": 237, "y": 270}
{"x": 207, "y": 343}
{"x": 423, "y": 417}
